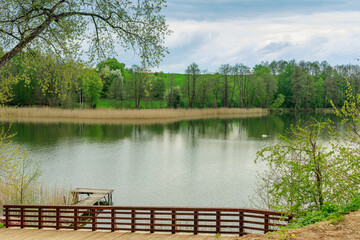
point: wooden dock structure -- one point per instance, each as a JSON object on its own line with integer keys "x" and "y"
{"x": 92, "y": 210}
{"x": 46, "y": 234}
{"x": 224, "y": 221}
{"x": 94, "y": 196}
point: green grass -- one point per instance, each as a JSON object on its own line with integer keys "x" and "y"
{"x": 329, "y": 211}
{"x": 178, "y": 77}
{"x": 1, "y": 225}
{"x": 129, "y": 104}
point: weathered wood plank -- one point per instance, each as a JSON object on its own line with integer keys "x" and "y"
{"x": 91, "y": 200}
{"x": 45, "y": 234}
{"x": 91, "y": 191}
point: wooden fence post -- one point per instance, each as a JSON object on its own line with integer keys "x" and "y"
{"x": 40, "y": 219}
{"x": 21, "y": 217}
{"x": 93, "y": 221}
{"x": 133, "y": 221}
{"x": 57, "y": 218}
{"x": 7, "y": 212}
{"x": 290, "y": 217}
{"x": 152, "y": 221}
{"x": 196, "y": 222}
{"x": 218, "y": 219}
{"x": 75, "y": 218}
{"x": 173, "y": 227}
{"x": 241, "y": 223}
{"x": 113, "y": 220}
{"x": 266, "y": 223}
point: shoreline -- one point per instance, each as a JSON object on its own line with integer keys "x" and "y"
{"x": 122, "y": 116}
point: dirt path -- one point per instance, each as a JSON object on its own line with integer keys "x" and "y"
{"x": 349, "y": 228}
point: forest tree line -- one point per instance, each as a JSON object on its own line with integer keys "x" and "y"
{"x": 52, "y": 81}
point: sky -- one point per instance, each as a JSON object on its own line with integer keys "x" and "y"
{"x": 215, "y": 32}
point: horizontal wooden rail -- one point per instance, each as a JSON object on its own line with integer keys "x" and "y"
{"x": 151, "y": 219}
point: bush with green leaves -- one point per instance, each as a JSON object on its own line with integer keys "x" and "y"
{"x": 278, "y": 102}
{"x": 304, "y": 171}
{"x": 92, "y": 86}
{"x": 297, "y": 179}
{"x": 329, "y": 211}
{"x": 173, "y": 98}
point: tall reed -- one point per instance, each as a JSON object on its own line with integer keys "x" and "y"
{"x": 46, "y": 114}
{"x": 36, "y": 193}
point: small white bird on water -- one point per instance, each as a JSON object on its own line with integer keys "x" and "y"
{"x": 264, "y": 136}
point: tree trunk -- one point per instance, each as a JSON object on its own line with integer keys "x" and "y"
{"x": 226, "y": 93}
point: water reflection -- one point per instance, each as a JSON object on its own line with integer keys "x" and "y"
{"x": 206, "y": 162}
{"x": 251, "y": 128}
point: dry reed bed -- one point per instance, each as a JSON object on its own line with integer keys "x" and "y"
{"x": 143, "y": 116}
{"x": 36, "y": 193}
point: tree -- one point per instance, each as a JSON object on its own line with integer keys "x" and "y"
{"x": 56, "y": 79}
{"x": 106, "y": 79}
{"x": 112, "y": 63}
{"x": 299, "y": 87}
{"x": 189, "y": 84}
{"x": 204, "y": 90}
{"x": 300, "y": 172}
{"x": 158, "y": 86}
{"x": 17, "y": 170}
{"x": 172, "y": 97}
{"x": 104, "y": 68}
{"x": 60, "y": 25}
{"x": 225, "y": 82}
{"x": 92, "y": 85}
{"x": 138, "y": 84}
{"x": 267, "y": 85}
{"x": 247, "y": 86}
{"x": 116, "y": 90}
{"x": 285, "y": 83}
{"x": 348, "y": 139}
{"x": 278, "y": 101}
{"x": 305, "y": 172}
{"x": 51, "y": 81}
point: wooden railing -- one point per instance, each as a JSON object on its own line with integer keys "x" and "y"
{"x": 150, "y": 219}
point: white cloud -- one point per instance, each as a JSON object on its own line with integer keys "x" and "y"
{"x": 332, "y": 36}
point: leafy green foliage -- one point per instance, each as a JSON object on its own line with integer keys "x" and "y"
{"x": 108, "y": 71}
{"x": 300, "y": 85}
{"x": 138, "y": 86}
{"x": 112, "y": 63}
{"x": 278, "y": 102}
{"x": 188, "y": 87}
{"x": 60, "y": 27}
{"x": 173, "y": 98}
{"x": 51, "y": 82}
{"x": 92, "y": 85}
{"x": 56, "y": 82}
{"x": 266, "y": 86}
{"x": 306, "y": 176}
{"x": 144, "y": 104}
{"x": 300, "y": 175}
{"x": 158, "y": 86}
{"x": 17, "y": 170}
{"x": 116, "y": 90}
{"x": 348, "y": 142}
{"x": 329, "y": 211}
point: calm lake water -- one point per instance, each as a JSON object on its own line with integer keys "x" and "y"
{"x": 205, "y": 163}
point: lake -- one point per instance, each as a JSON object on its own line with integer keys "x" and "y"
{"x": 197, "y": 163}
